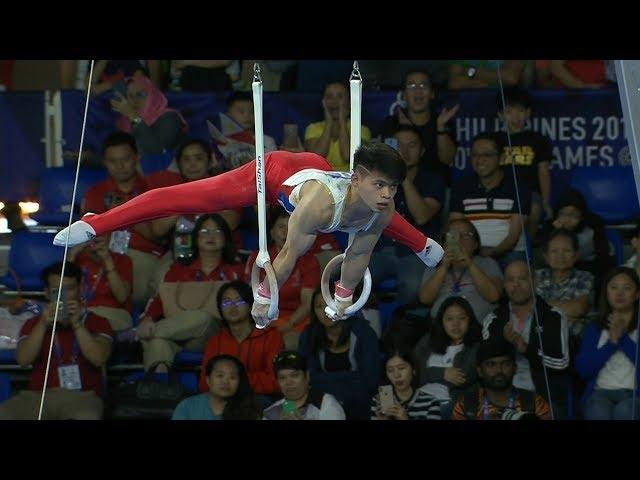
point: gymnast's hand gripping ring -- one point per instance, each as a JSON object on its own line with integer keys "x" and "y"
{"x": 331, "y": 309}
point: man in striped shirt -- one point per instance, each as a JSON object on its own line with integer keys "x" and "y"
{"x": 489, "y": 200}
{"x": 537, "y": 353}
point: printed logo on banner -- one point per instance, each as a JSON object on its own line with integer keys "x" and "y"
{"x": 624, "y": 156}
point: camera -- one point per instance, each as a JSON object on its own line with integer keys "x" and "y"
{"x": 63, "y": 314}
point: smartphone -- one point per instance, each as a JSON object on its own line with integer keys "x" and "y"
{"x": 62, "y": 309}
{"x": 289, "y": 408}
{"x": 392, "y": 142}
{"x": 453, "y": 242}
{"x": 386, "y": 397}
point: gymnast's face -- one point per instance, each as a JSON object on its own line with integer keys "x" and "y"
{"x": 375, "y": 189}
{"x": 121, "y": 162}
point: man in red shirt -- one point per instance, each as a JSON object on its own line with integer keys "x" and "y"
{"x": 106, "y": 281}
{"x": 139, "y": 242}
{"x": 82, "y": 346}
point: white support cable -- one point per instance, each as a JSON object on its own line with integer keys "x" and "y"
{"x": 629, "y": 95}
{"x": 526, "y": 250}
{"x": 355, "y": 84}
{"x": 66, "y": 246}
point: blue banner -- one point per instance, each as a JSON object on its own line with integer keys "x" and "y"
{"x": 586, "y": 128}
{"x": 22, "y": 153}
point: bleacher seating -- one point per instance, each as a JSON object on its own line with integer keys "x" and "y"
{"x": 154, "y": 162}
{"x": 609, "y": 192}
{"x": 56, "y": 189}
{"x": 30, "y": 253}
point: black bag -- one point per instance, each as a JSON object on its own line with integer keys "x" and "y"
{"x": 150, "y": 397}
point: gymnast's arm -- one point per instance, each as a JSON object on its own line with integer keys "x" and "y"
{"x": 313, "y": 212}
{"x": 358, "y": 254}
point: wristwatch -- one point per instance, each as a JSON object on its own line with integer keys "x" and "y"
{"x": 471, "y": 72}
{"x": 136, "y": 120}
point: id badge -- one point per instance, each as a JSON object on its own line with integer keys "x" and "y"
{"x": 69, "y": 376}
{"x": 120, "y": 241}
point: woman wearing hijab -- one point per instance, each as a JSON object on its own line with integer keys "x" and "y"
{"x": 144, "y": 114}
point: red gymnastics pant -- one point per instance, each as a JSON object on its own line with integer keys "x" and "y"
{"x": 231, "y": 190}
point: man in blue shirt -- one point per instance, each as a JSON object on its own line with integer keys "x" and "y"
{"x": 419, "y": 200}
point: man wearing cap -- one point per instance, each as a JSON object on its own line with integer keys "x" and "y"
{"x": 497, "y": 398}
{"x": 299, "y": 402}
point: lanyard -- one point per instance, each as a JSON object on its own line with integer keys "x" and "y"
{"x": 457, "y": 281}
{"x": 88, "y": 290}
{"x": 75, "y": 350}
{"x": 510, "y": 405}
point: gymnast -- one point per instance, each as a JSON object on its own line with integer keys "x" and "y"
{"x": 319, "y": 200}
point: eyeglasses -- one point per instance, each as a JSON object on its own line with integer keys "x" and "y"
{"x": 237, "y": 303}
{"x": 139, "y": 95}
{"x": 211, "y": 233}
{"x": 417, "y": 86}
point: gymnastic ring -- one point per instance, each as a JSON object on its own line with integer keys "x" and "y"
{"x": 331, "y": 309}
{"x": 273, "y": 289}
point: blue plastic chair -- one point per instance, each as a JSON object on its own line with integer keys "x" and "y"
{"x": 189, "y": 358}
{"x": 609, "y": 192}
{"x": 8, "y": 357}
{"x": 250, "y": 239}
{"x": 30, "y": 253}
{"x": 56, "y": 189}
{"x": 5, "y": 387}
{"x": 154, "y": 162}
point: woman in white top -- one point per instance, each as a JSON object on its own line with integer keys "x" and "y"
{"x": 607, "y": 358}
{"x": 446, "y": 355}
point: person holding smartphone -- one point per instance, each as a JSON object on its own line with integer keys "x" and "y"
{"x": 300, "y": 402}
{"x": 81, "y": 347}
{"x": 399, "y": 397}
{"x": 463, "y": 272}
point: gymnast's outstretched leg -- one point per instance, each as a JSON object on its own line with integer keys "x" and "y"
{"x": 428, "y": 250}
{"x": 233, "y": 189}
